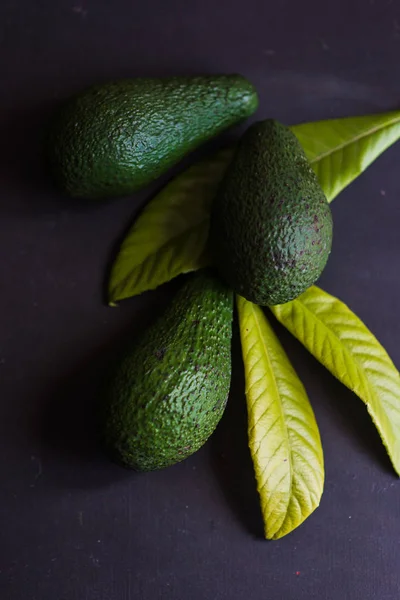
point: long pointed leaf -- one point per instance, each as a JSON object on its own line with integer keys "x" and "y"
{"x": 341, "y": 149}
{"x": 170, "y": 235}
{"x": 283, "y": 435}
{"x": 344, "y": 345}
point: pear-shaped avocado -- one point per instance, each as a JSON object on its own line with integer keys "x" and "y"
{"x": 170, "y": 390}
{"x": 271, "y": 225}
{"x": 116, "y": 138}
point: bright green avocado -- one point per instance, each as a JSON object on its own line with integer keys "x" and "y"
{"x": 170, "y": 390}
{"x": 116, "y": 138}
{"x": 271, "y": 225}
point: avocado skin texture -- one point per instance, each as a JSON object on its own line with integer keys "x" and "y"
{"x": 169, "y": 392}
{"x": 271, "y": 225}
{"x": 116, "y": 138}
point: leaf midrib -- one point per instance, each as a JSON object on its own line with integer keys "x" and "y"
{"x": 281, "y": 411}
{"x": 357, "y": 138}
{"x": 367, "y": 385}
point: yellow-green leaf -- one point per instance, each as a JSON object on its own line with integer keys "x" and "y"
{"x": 283, "y": 435}
{"x": 169, "y": 237}
{"x": 341, "y": 149}
{"x": 344, "y": 345}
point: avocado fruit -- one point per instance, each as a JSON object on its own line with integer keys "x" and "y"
{"x": 271, "y": 225}
{"x": 115, "y": 138}
{"x": 169, "y": 391}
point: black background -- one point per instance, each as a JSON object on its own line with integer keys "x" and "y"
{"x": 73, "y": 525}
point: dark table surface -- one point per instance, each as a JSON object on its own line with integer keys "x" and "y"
{"x": 73, "y": 525}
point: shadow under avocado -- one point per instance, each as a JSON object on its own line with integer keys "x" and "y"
{"x": 22, "y": 157}
{"x": 230, "y": 455}
{"x": 70, "y": 425}
{"x": 24, "y": 166}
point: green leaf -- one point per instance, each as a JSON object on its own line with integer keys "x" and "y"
{"x": 341, "y": 149}
{"x": 283, "y": 435}
{"x": 344, "y": 345}
{"x": 170, "y": 235}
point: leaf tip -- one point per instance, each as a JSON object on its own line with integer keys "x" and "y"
{"x": 268, "y": 536}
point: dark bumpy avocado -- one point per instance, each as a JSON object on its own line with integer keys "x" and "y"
{"x": 118, "y": 137}
{"x": 271, "y": 225}
{"x": 170, "y": 391}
